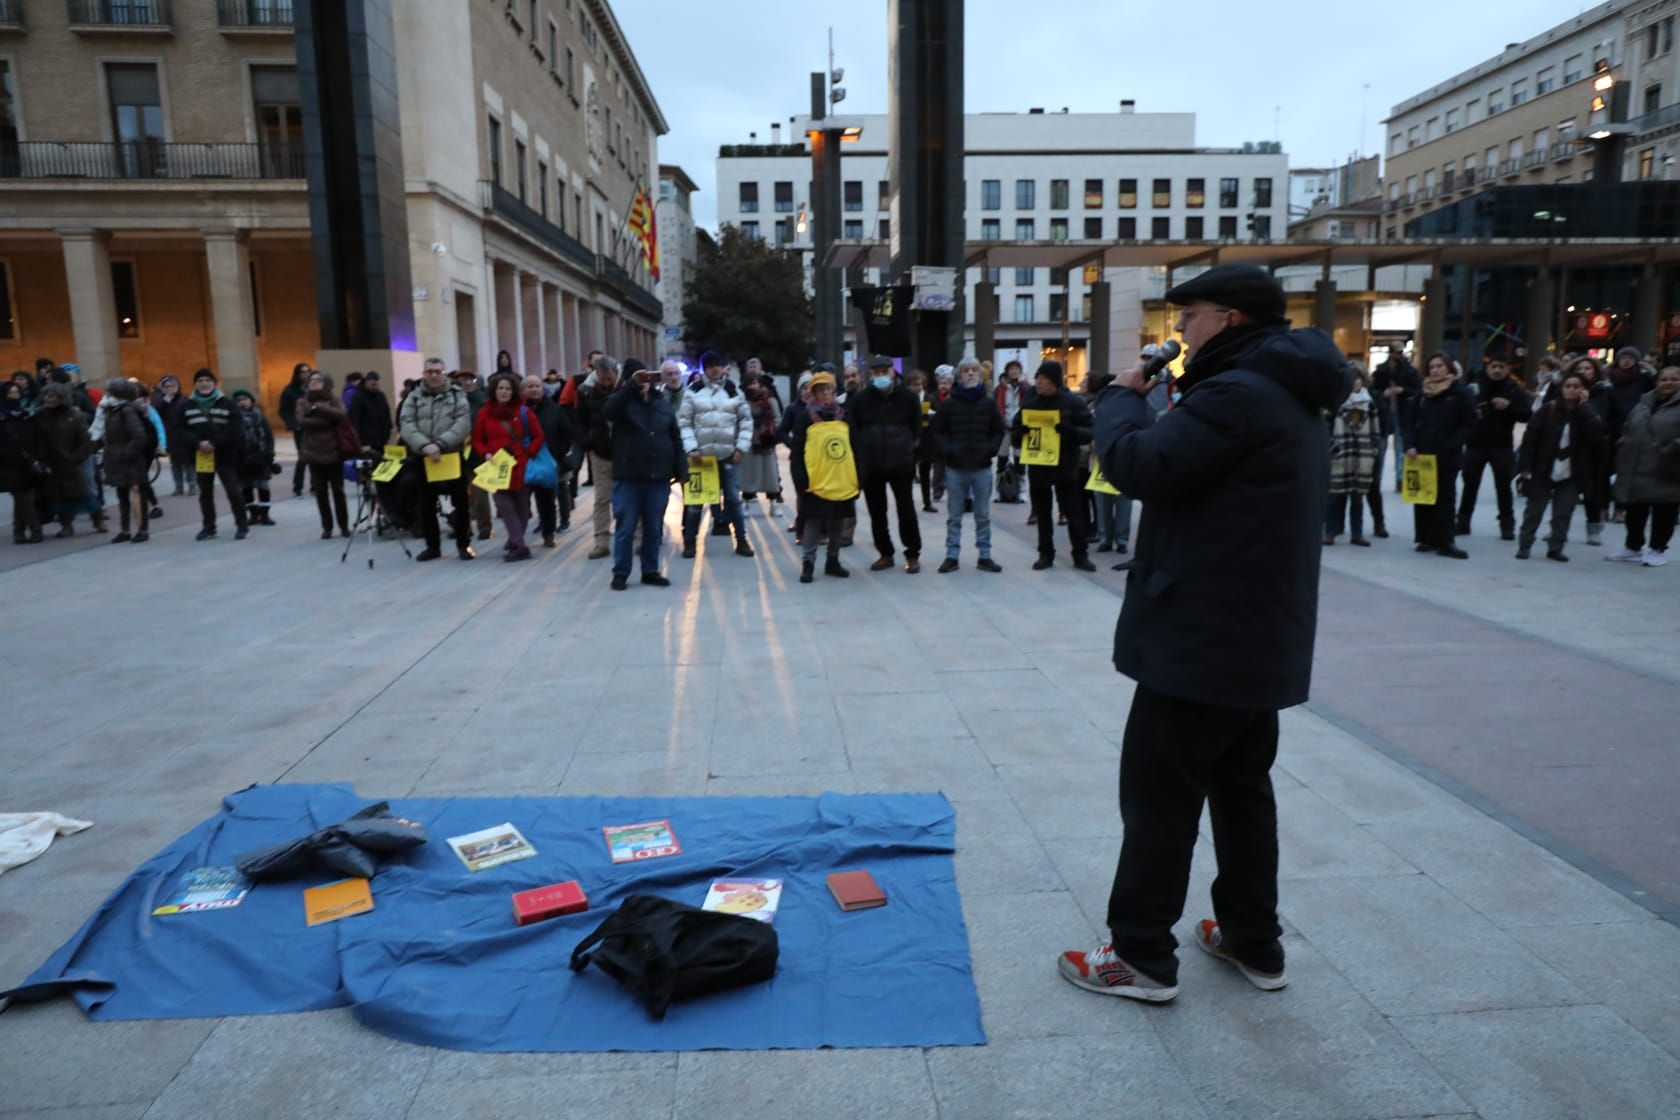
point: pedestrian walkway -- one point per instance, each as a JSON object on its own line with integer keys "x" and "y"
{"x": 1442, "y": 962}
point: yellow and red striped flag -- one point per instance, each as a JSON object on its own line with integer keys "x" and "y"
{"x": 644, "y": 225}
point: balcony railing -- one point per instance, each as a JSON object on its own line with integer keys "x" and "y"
{"x": 11, "y": 13}
{"x": 255, "y": 15}
{"x": 120, "y": 13}
{"x": 500, "y": 200}
{"x": 1660, "y": 118}
{"x": 145, "y": 159}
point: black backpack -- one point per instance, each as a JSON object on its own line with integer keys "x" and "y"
{"x": 664, "y": 950}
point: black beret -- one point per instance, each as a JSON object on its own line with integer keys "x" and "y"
{"x": 1242, "y": 287}
{"x": 880, "y": 361}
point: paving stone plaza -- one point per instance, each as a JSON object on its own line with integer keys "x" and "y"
{"x": 1477, "y": 814}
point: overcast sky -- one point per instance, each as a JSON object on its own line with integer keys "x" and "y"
{"x": 722, "y": 70}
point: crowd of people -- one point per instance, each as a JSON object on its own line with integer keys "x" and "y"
{"x": 1606, "y": 439}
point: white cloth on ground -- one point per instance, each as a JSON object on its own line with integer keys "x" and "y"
{"x": 23, "y": 836}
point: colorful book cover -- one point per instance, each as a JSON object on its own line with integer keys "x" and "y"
{"x": 750, "y": 898}
{"x": 492, "y": 847}
{"x": 333, "y": 901}
{"x": 207, "y": 888}
{"x": 648, "y": 840}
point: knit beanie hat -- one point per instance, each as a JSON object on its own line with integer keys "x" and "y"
{"x": 1052, "y": 369}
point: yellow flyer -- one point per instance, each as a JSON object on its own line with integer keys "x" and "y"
{"x": 205, "y": 462}
{"x": 1419, "y": 481}
{"x": 337, "y": 900}
{"x": 703, "y": 487}
{"x": 1042, "y": 445}
{"x": 1097, "y": 482}
{"x": 446, "y": 469}
{"x": 391, "y": 464}
{"x": 496, "y": 473}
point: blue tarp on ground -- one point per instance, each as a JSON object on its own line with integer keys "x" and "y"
{"x": 439, "y": 960}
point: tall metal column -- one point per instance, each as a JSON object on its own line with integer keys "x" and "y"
{"x": 827, "y": 291}
{"x": 1537, "y": 324}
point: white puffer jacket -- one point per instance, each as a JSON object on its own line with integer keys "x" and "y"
{"x": 714, "y": 421}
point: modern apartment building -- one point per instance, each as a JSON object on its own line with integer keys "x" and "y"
{"x": 154, "y": 215}
{"x": 1032, "y": 177}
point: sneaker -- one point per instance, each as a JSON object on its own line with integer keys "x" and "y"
{"x": 600, "y": 552}
{"x": 654, "y": 579}
{"x": 1208, "y": 937}
{"x": 1655, "y": 557}
{"x": 619, "y": 583}
{"x": 1102, "y": 971}
{"x": 949, "y": 566}
{"x": 205, "y": 534}
{"x": 242, "y": 532}
{"x": 1626, "y": 555}
{"x": 987, "y": 564}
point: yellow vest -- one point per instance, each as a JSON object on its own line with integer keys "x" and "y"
{"x": 828, "y": 460}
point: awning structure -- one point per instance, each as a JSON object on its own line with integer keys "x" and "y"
{"x": 1484, "y": 253}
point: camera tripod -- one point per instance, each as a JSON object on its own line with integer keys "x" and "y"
{"x": 370, "y": 515}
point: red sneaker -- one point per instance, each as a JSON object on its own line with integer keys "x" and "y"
{"x": 1102, "y": 971}
{"x": 1207, "y": 936}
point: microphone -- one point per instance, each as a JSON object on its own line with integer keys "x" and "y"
{"x": 1164, "y": 354}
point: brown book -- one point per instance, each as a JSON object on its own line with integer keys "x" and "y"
{"x": 855, "y": 890}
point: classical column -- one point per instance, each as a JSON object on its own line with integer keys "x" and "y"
{"x": 489, "y": 325}
{"x": 227, "y": 255}
{"x": 93, "y": 305}
{"x": 534, "y": 356}
{"x": 1537, "y": 328}
{"x": 507, "y": 315}
{"x": 553, "y": 341}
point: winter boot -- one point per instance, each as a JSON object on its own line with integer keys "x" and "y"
{"x": 808, "y": 571}
{"x": 66, "y": 527}
{"x": 1595, "y": 533}
{"x": 99, "y": 525}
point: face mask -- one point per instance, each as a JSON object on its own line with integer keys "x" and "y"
{"x": 881, "y": 383}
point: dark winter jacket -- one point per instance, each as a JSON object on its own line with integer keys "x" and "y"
{"x": 1438, "y": 425}
{"x": 1648, "y": 456}
{"x": 319, "y": 415}
{"x": 289, "y": 398}
{"x": 1625, "y": 389}
{"x": 1587, "y": 447}
{"x": 646, "y": 445}
{"x": 20, "y": 448}
{"x": 885, "y": 428}
{"x": 168, "y": 407}
{"x": 65, "y": 446}
{"x": 592, "y": 421}
{"x": 217, "y": 424}
{"x": 370, "y": 415}
{"x": 255, "y": 463}
{"x": 966, "y": 432}
{"x": 1494, "y": 426}
{"x": 129, "y": 442}
{"x": 1396, "y": 370}
{"x": 1075, "y": 428}
{"x": 556, "y": 423}
{"x": 1221, "y": 601}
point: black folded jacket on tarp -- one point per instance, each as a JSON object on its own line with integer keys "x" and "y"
{"x": 440, "y": 961}
{"x": 352, "y": 848}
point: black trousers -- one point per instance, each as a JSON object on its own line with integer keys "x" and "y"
{"x": 1503, "y": 460}
{"x": 1068, "y": 493}
{"x": 1434, "y": 524}
{"x": 298, "y": 471}
{"x": 902, "y": 484}
{"x": 1177, "y": 754}
{"x": 1662, "y": 516}
{"x": 460, "y": 527}
{"x": 328, "y": 479}
{"x": 231, "y": 486}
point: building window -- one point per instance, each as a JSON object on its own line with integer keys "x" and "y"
{"x": 1093, "y": 229}
{"x": 1024, "y": 309}
{"x": 126, "y": 296}
{"x": 1093, "y": 194}
{"x": 495, "y": 140}
{"x": 1653, "y": 98}
{"x": 1545, "y": 81}
{"x": 1447, "y": 177}
{"x": 1058, "y": 306}
{"x": 542, "y": 187}
{"x": 1126, "y": 197}
{"x": 1471, "y": 108}
{"x": 1496, "y": 101}
{"x": 1058, "y": 229}
{"x": 1195, "y": 193}
{"x": 1430, "y": 127}
{"x": 990, "y": 229}
{"x": 1452, "y": 120}
{"x": 784, "y": 231}
{"x": 560, "y": 202}
{"x": 1126, "y": 229}
{"x": 1572, "y": 71}
{"x": 1647, "y": 162}
{"x": 279, "y": 117}
{"x": 1429, "y": 182}
{"x": 784, "y": 197}
{"x": 1025, "y": 229}
{"x": 883, "y": 200}
{"x": 1262, "y": 227}
{"x": 1228, "y": 227}
{"x": 1229, "y": 194}
{"x": 136, "y": 115}
{"x": 1161, "y": 194}
{"x": 553, "y": 44}
{"x": 1193, "y": 228}
{"x": 994, "y": 276}
{"x": 1519, "y": 92}
{"x": 1026, "y": 194}
{"x": 853, "y": 229}
{"x": 519, "y": 168}
{"x": 1515, "y": 152}
{"x": 1160, "y": 228}
{"x": 1411, "y": 185}
{"x": 571, "y": 74}
{"x": 886, "y": 229}
{"x": 1492, "y": 161}
{"x": 1058, "y": 194}
{"x": 1262, "y": 193}
{"x": 991, "y": 194}
{"x": 1024, "y": 277}
{"x": 8, "y": 317}
{"x": 1565, "y": 134}
{"x": 749, "y": 230}
{"x": 1541, "y": 138}
{"x": 1396, "y": 144}
{"x": 852, "y": 195}
{"x": 749, "y": 198}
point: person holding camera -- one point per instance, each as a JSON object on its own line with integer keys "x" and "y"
{"x": 647, "y": 456}
{"x": 1218, "y": 622}
{"x": 435, "y": 421}
{"x": 320, "y": 414}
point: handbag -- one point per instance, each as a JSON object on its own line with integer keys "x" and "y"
{"x": 349, "y": 442}
{"x": 663, "y": 950}
{"x": 540, "y": 469}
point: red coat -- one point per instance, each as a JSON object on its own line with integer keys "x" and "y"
{"x": 499, "y": 426}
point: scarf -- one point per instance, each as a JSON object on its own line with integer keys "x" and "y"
{"x": 968, "y": 393}
{"x": 825, "y": 412}
{"x": 1434, "y": 384}
{"x": 205, "y": 402}
{"x": 1356, "y": 408}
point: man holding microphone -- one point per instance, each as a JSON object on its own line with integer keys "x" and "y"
{"x": 1218, "y": 621}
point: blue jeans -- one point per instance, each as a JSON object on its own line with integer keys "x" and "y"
{"x": 634, "y": 502}
{"x": 1114, "y": 519}
{"x": 961, "y": 486}
{"x": 729, "y": 481}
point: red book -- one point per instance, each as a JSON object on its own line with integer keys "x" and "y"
{"x": 548, "y": 902}
{"x": 855, "y": 890}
